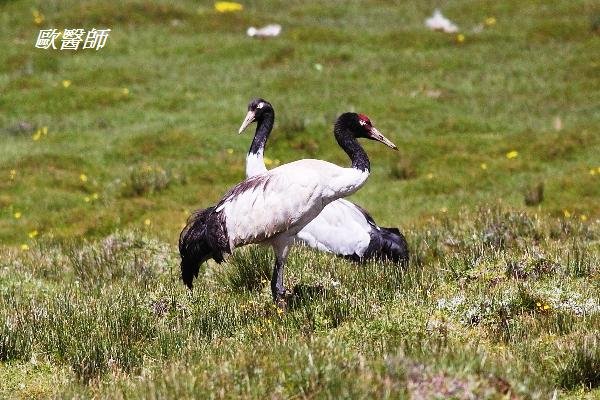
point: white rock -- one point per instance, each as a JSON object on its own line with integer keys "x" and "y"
{"x": 270, "y": 30}
{"x": 437, "y": 22}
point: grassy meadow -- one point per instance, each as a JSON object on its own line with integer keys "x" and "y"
{"x": 103, "y": 154}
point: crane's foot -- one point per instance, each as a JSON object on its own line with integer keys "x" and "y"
{"x": 279, "y": 296}
{"x": 281, "y": 304}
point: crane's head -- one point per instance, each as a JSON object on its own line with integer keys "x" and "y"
{"x": 256, "y": 109}
{"x": 361, "y": 127}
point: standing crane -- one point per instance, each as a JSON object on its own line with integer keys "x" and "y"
{"x": 342, "y": 228}
{"x": 272, "y": 207}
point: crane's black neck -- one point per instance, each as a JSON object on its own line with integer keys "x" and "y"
{"x": 350, "y": 145}
{"x": 264, "y": 125}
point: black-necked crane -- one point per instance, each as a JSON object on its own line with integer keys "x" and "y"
{"x": 342, "y": 228}
{"x": 272, "y": 207}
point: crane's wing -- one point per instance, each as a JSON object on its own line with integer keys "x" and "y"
{"x": 364, "y": 213}
{"x": 265, "y": 205}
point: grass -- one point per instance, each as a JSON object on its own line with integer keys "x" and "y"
{"x": 111, "y": 318}
{"x": 500, "y": 298}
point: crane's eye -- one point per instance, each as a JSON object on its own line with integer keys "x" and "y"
{"x": 363, "y": 123}
{"x": 260, "y": 105}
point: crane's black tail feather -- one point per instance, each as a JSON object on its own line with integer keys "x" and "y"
{"x": 204, "y": 237}
{"x": 388, "y": 244}
{"x": 395, "y": 231}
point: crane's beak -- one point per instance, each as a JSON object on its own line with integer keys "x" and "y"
{"x": 376, "y": 135}
{"x": 247, "y": 121}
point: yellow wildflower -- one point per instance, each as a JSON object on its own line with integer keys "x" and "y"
{"x": 229, "y": 151}
{"x": 598, "y": 170}
{"x": 13, "y": 174}
{"x": 483, "y": 166}
{"x": 490, "y": 21}
{"x": 268, "y": 161}
{"x": 17, "y": 214}
{"x": 512, "y": 154}
{"x": 279, "y": 311}
{"x": 460, "y": 38}
{"x": 583, "y": 217}
{"x": 38, "y": 17}
{"x": 228, "y": 6}
{"x": 66, "y": 83}
{"x": 430, "y": 175}
{"x": 125, "y": 91}
{"x": 95, "y": 196}
{"x": 83, "y": 178}
{"x": 444, "y": 209}
{"x": 592, "y": 171}
{"x": 546, "y": 307}
{"x": 37, "y": 135}
{"x": 24, "y": 247}
{"x": 44, "y": 130}
{"x": 537, "y": 303}
{"x": 566, "y": 213}
{"x": 33, "y": 234}
{"x": 147, "y": 222}
{"x": 87, "y": 199}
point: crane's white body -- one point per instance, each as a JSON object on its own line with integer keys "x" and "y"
{"x": 340, "y": 228}
{"x": 274, "y": 206}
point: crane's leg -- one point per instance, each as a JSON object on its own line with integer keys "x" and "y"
{"x": 277, "y": 288}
